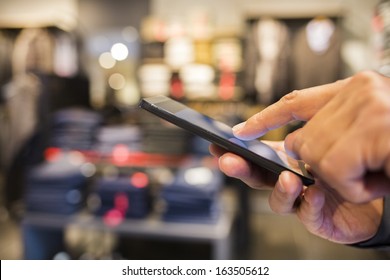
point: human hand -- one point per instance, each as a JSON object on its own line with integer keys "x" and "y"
{"x": 324, "y": 212}
{"x": 320, "y": 209}
{"x": 235, "y": 166}
{"x": 346, "y": 138}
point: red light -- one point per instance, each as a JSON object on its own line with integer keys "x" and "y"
{"x": 121, "y": 202}
{"x": 177, "y": 88}
{"x": 377, "y": 23}
{"x": 139, "y": 180}
{"x": 226, "y": 85}
{"x": 52, "y": 154}
{"x": 120, "y": 154}
{"x": 113, "y": 217}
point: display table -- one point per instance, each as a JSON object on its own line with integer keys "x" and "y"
{"x": 43, "y": 233}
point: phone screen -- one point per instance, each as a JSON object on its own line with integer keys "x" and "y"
{"x": 222, "y": 135}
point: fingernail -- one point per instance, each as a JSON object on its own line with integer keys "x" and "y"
{"x": 236, "y": 129}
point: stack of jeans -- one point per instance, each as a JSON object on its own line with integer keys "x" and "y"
{"x": 75, "y": 128}
{"x": 56, "y": 187}
{"x": 166, "y": 140}
{"x": 193, "y": 196}
{"x": 109, "y": 137}
{"x": 161, "y": 137}
{"x": 127, "y": 195}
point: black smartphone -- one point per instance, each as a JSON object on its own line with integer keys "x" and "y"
{"x": 221, "y": 134}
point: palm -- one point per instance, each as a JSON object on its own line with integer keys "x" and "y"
{"x": 341, "y": 221}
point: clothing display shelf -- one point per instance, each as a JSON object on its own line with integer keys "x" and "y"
{"x": 37, "y": 227}
{"x": 43, "y": 233}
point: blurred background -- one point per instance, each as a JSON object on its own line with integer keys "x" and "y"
{"x": 85, "y": 174}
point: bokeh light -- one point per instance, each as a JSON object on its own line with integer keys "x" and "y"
{"x": 119, "y": 51}
{"x": 106, "y": 60}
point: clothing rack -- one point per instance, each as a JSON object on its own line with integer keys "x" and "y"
{"x": 269, "y": 76}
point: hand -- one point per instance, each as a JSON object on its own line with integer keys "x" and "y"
{"x": 320, "y": 209}
{"x": 324, "y": 212}
{"x": 235, "y": 166}
{"x": 346, "y": 140}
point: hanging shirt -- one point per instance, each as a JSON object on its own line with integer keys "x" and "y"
{"x": 315, "y": 58}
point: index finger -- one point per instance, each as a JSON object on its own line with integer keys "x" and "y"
{"x": 297, "y": 105}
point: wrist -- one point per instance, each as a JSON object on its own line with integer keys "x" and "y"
{"x": 381, "y": 239}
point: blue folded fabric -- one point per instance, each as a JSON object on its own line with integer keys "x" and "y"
{"x": 58, "y": 172}
{"x": 55, "y": 187}
{"x": 162, "y": 139}
{"x": 75, "y": 128}
{"x": 137, "y": 199}
{"x": 193, "y": 196}
{"x": 67, "y": 202}
{"x": 119, "y": 133}
{"x": 109, "y": 137}
{"x": 79, "y": 116}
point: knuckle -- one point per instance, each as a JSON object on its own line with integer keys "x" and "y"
{"x": 352, "y": 193}
{"x": 257, "y": 118}
{"x": 290, "y": 97}
{"x": 327, "y": 168}
{"x": 304, "y": 151}
{"x": 371, "y": 91}
{"x": 376, "y": 100}
{"x": 329, "y": 172}
{"x": 298, "y": 147}
{"x": 289, "y": 143}
{"x": 366, "y": 76}
{"x": 366, "y": 80}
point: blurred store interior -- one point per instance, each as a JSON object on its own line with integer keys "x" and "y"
{"x": 86, "y": 174}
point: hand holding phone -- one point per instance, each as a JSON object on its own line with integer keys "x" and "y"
{"x": 221, "y": 134}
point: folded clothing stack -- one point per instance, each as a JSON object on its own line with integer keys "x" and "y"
{"x": 193, "y": 196}
{"x": 75, "y": 128}
{"x": 110, "y": 137}
{"x": 122, "y": 197}
{"x": 166, "y": 140}
{"x": 161, "y": 137}
{"x": 57, "y": 186}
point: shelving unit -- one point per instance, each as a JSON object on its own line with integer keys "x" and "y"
{"x": 37, "y": 227}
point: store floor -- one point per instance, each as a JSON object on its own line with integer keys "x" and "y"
{"x": 271, "y": 237}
